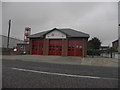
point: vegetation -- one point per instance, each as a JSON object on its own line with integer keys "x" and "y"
{"x": 93, "y": 47}
{"x": 111, "y": 50}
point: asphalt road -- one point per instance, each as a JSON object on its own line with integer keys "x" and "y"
{"x": 26, "y": 74}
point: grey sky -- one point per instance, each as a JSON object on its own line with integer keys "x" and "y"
{"x": 99, "y": 19}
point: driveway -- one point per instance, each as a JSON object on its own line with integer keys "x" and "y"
{"x": 106, "y": 62}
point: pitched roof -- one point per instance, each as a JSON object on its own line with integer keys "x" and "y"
{"x": 69, "y": 32}
{"x": 115, "y": 41}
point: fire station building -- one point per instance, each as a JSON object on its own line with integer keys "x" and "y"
{"x": 61, "y": 42}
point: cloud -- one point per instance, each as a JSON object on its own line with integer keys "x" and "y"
{"x": 98, "y": 19}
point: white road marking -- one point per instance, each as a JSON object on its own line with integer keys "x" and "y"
{"x": 59, "y": 74}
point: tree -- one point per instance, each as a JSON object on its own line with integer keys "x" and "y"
{"x": 94, "y": 43}
{"x": 94, "y": 46}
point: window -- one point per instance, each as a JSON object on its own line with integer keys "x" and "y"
{"x": 22, "y": 48}
{"x": 77, "y": 46}
{"x": 80, "y": 46}
{"x": 72, "y": 46}
{"x": 56, "y": 49}
{"x": 68, "y": 49}
{"x": 68, "y": 46}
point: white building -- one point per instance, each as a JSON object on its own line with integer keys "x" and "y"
{"x": 119, "y": 30}
{"x": 12, "y": 41}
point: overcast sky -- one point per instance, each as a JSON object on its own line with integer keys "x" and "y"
{"x": 99, "y": 19}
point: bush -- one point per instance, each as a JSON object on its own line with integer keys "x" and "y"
{"x": 95, "y": 52}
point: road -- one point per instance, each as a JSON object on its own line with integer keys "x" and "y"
{"x": 27, "y": 74}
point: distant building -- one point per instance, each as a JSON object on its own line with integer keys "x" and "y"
{"x": 104, "y": 48}
{"x": 12, "y": 43}
{"x": 119, "y": 28}
{"x": 119, "y": 46}
{"x": 119, "y": 37}
{"x": 115, "y": 44}
{"x": 22, "y": 48}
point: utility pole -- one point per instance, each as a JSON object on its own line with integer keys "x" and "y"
{"x": 119, "y": 39}
{"x": 8, "y": 34}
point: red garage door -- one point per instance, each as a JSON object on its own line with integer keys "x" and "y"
{"x": 55, "y": 47}
{"x": 75, "y": 48}
{"x": 37, "y": 47}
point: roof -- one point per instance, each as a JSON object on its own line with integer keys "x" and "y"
{"x": 2, "y": 36}
{"x": 12, "y": 41}
{"x": 69, "y": 32}
{"x": 115, "y": 41}
{"x": 104, "y": 47}
{"x": 22, "y": 43}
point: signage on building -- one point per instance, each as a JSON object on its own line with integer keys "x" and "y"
{"x": 55, "y": 35}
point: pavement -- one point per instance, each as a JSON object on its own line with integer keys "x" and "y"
{"x": 28, "y": 74}
{"x": 105, "y": 62}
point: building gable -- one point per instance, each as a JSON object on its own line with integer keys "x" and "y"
{"x": 55, "y": 35}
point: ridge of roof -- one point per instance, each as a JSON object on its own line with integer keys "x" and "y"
{"x": 74, "y": 30}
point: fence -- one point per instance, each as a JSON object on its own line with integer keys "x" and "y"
{"x": 108, "y": 55}
{"x": 6, "y": 51}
